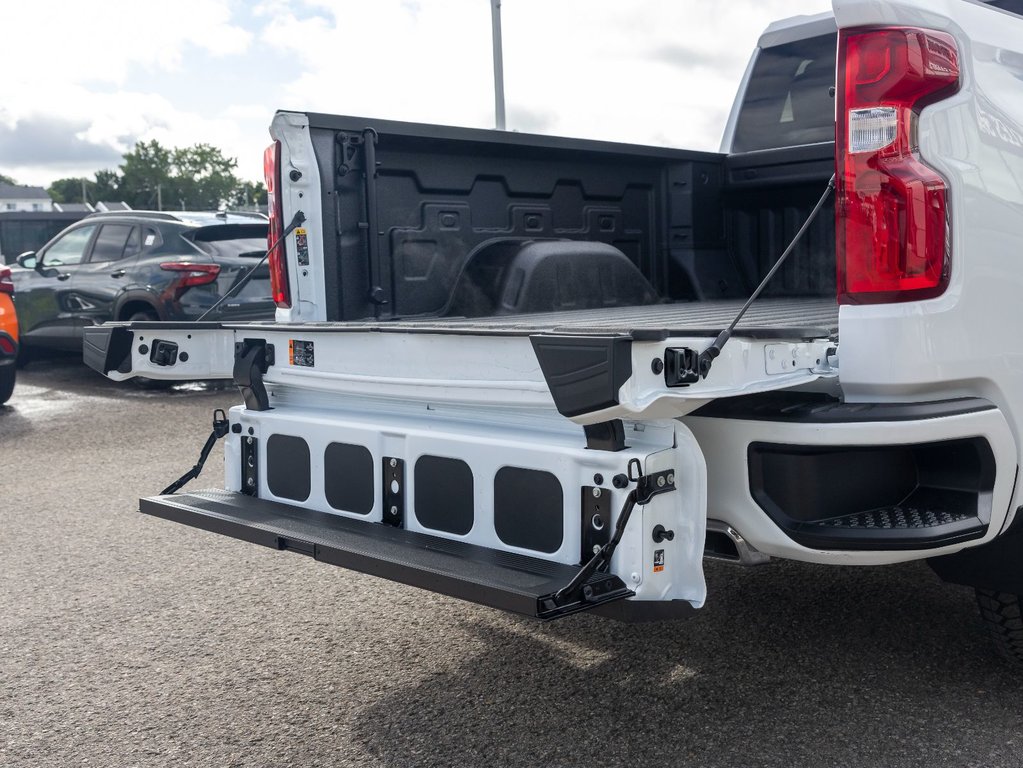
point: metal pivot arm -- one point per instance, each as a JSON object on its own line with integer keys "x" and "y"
{"x": 647, "y": 486}
{"x": 220, "y": 427}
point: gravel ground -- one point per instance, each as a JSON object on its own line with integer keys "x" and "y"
{"x": 132, "y": 641}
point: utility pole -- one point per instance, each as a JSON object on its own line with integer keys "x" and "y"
{"x": 495, "y": 16}
{"x": 159, "y": 197}
{"x": 85, "y": 198}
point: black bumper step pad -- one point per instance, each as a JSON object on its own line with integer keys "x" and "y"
{"x": 504, "y": 580}
{"x": 895, "y": 518}
{"x": 890, "y": 528}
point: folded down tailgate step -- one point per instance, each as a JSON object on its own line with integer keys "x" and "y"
{"x": 504, "y": 580}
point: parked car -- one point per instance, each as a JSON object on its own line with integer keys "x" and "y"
{"x": 8, "y": 335}
{"x": 140, "y": 265}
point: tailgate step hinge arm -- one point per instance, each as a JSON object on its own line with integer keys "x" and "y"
{"x": 578, "y": 594}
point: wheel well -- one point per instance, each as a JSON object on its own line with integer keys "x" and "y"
{"x": 131, "y": 307}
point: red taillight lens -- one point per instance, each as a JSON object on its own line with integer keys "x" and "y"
{"x": 891, "y": 209}
{"x": 276, "y": 258}
{"x": 6, "y": 283}
{"x": 190, "y": 275}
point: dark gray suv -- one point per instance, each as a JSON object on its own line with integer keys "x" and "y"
{"x": 141, "y": 265}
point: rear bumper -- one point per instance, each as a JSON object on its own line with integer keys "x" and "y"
{"x": 868, "y": 483}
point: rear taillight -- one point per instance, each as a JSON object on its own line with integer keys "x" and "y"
{"x": 891, "y": 209}
{"x": 190, "y": 275}
{"x": 276, "y": 258}
{"x": 6, "y": 283}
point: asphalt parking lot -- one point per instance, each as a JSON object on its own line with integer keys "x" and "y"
{"x": 131, "y": 641}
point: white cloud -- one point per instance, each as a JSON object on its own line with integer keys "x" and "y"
{"x": 644, "y": 71}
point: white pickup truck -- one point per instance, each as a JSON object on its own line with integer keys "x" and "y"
{"x": 498, "y": 370}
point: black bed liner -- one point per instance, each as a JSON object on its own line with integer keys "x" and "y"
{"x": 808, "y": 318}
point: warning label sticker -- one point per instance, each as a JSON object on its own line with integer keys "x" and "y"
{"x": 658, "y": 560}
{"x": 301, "y": 353}
{"x": 302, "y": 246}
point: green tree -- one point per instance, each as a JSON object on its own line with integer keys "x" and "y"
{"x": 145, "y": 178}
{"x": 5, "y": 179}
{"x": 203, "y": 178}
{"x": 248, "y": 195}
{"x": 107, "y": 186}
{"x": 199, "y": 177}
{"x": 70, "y": 190}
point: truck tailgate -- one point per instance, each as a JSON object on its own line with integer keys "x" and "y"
{"x": 593, "y": 366}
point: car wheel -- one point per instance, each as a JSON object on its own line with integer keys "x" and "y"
{"x": 141, "y": 381}
{"x": 7, "y": 375}
{"x": 1003, "y": 614}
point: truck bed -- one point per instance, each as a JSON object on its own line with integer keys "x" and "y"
{"x": 792, "y": 318}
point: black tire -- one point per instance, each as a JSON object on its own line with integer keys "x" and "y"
{"x": 141, "y": 381}
{"x": 24, "y": 356}
{"x": 7, "y": 375}
{"x": 1003, "y": 614}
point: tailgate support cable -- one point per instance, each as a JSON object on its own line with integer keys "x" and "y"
{"x": 296, "y": 222}
{"x": 220, "y": 427}
{"x": 710, "y": 353}
{"x": 647, "y": 486}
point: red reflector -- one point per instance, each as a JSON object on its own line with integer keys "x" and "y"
{"x": 276, "y": 257}
{"x": 6, "y": 346}
{"x": 6, "y": 284}
{"x": 891, "y": 209}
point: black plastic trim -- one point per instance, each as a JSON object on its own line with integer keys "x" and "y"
{"x": 521, "y": 142}
{"x": 107, "y": 348}
{"x": 812, "y": 408}
{"x": 842, "y": 497}
{"x": 583, "y": 373}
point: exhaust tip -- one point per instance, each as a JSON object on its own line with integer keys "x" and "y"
{"x": 726, "y": 544}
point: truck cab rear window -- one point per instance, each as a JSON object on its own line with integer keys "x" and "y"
{"x": 788, "y": 101}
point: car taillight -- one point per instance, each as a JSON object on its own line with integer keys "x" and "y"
{"x": 190, "y": 275}
{"x": 6, "y": 283}
{"x": 276, "y": 257}
{"x": 891, "y": 209}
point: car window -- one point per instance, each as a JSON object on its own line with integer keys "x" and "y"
{"x": 111, "y": 243}
{"x": 69, "y": 248}
{"x": 788, "y": 100}
{"x": 151, "y": 238}
{"x": 134, "y": 245}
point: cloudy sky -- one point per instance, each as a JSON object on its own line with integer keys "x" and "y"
{"x": 83, "y": 81}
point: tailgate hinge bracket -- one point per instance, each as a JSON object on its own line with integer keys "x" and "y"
{"x": 587, "y": 589}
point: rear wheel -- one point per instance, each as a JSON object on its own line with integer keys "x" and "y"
{"x": 7, "y": 375}
{"x": 1003, "y": 614}
{"x": 141, "y": 381}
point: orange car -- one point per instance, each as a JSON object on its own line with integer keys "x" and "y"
{"x": 8, "y": 335}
